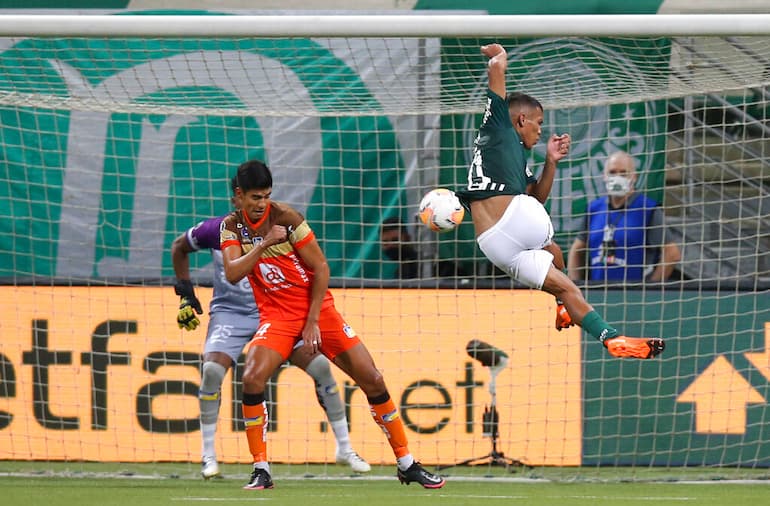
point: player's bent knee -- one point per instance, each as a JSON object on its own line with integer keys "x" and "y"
{"x": 212, "y": 375}
{"x": 253, "y": 382}
{"x": 373, "y": 383}
{"x": 319, "y": 369}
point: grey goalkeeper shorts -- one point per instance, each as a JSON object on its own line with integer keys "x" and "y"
{"x": 229, "y": 332}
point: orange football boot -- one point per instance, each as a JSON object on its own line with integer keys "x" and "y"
{"x": 635, "y": 347}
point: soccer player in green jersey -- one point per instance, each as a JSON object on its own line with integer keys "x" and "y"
{"x": 505, "y": 200}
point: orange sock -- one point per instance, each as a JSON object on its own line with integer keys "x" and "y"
{"x": 386, "y": 416}
{"x": 255, "y": 417}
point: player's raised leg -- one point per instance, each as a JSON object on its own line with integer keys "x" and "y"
{"x": 583, "y": 314}
{"x": 516, "y": 244}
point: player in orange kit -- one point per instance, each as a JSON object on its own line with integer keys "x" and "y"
{"x": 272, "y": 244}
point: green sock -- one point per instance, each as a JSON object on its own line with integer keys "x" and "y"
{"x": 597, "y": 327}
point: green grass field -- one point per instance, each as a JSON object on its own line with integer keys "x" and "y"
{"x": 71, "y": 484}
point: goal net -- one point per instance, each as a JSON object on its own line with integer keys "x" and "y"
{"x": 117, "y": 140}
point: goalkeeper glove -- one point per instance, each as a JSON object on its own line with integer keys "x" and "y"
{"x": 188, "y": 302}
{"x": 563, "y": 319}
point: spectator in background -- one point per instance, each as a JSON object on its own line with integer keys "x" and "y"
{"x": 397, "y": 245}
{"x": 623, "y": 236}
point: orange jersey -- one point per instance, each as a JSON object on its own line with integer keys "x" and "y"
{"x": 281, "y": 280}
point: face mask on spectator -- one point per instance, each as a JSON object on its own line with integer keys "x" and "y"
{"x": 618, "y": 186}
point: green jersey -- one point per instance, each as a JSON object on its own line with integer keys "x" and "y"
{"x": 499, "y": 165}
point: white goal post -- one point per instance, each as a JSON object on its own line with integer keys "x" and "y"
{"x": 118, "y": 133}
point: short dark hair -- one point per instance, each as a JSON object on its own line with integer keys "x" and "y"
{"x": 254, "y": 175}
{"x": 519, "y": 100}
{"x": 394, "y": 223}
{"x": 234, "y": 183}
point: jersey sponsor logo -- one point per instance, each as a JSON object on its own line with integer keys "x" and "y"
{"x": 301, "y": 270}
{"x": 272, "y": 274}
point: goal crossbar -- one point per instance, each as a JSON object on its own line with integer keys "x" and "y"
{"x": 408, "y": 25}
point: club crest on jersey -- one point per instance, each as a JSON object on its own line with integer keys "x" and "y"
{"x": 272, "y": 274}
{"x": 348, "y": 330}
{"x": 256, "y": 241}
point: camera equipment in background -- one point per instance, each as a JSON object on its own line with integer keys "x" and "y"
{"x": 496, "y": 360}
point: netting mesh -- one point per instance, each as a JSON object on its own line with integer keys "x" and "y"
{"x": 112, "y": 147}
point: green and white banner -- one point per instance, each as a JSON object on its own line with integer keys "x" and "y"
{"x": 92, "y": 192}
{"x": 101, "y": 194}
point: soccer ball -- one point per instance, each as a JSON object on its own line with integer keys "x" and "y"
{"x": 440, "y": 210}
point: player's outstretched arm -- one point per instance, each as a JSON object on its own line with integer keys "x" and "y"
{"x": 496, "y": 67}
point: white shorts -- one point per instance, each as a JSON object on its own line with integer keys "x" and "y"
{"x": 515, "y": 243}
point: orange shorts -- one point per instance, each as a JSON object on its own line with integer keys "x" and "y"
{"x": 281, "y": 335}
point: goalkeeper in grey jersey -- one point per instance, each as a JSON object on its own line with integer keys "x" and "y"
{"x": 505, "y": 200}
{"x": 234, "y": 318}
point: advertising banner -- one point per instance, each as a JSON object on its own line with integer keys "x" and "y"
{"x": 104, "y": 374}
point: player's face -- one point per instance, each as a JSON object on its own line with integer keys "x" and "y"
{"x": 255, "y": 202}
{"x": 528, "y": 123}
{"x": 529, "y": 126}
